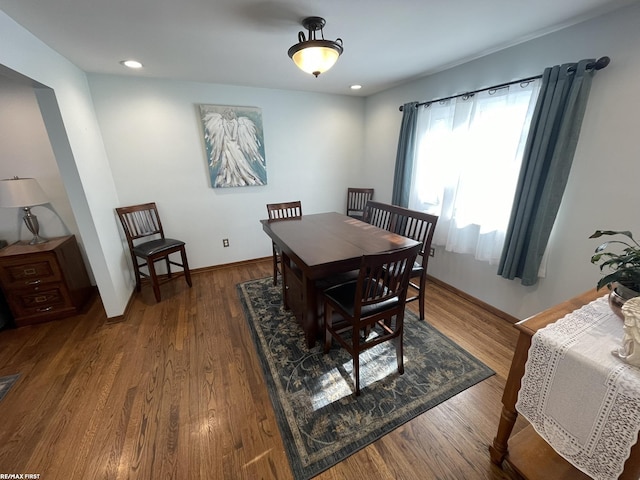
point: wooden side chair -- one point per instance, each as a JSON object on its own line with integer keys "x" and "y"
{"x": 281, "y": 211}
{"x": 419, "y": 226}
{"x": 357, "y": 199}
{"x": 372, "y": 306}
{"x": 378, "y": 215}
{"x": 413, "y": 224}
{"x": 142, "y": 227}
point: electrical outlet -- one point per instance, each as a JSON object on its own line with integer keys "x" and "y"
{"x": 432, "y": 252}
{"x": 225, "y": 242}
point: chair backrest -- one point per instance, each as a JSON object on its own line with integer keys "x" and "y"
{"x": 416, "y": 225}
{"x": 357, "y": 199}
{"x": 378, "y": 215}
{"x": 284, "y": 211}
{"x": 384, "y": 277}
{"x": 140, "y": 221}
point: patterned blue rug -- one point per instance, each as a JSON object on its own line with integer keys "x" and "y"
{"x": 6, "y": 383}
{"x": 321, "y": 420}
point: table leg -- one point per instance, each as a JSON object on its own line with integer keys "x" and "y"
{"x": 509, "y": 415}
{"x": 310, "y": 311}
{"x": 284, "y": 262}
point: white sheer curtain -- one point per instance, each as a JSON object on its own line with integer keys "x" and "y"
{"x": 467, "y": 165}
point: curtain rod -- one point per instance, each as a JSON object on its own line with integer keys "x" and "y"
{"x": 599, "y": 64}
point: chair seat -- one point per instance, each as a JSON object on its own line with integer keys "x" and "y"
{"x": 417, "y": 269}
{"x": 154, "y": 247}
{"x": 355, "y": 214}
{"x": 337, "y": 279}
{"x": 344, "y": 296}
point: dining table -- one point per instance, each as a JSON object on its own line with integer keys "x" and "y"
{"x": 317, "y": 248}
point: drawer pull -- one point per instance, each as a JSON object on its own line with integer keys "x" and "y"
{"x": 29, "y": 271}
{"x": 33, "y": 282}
{"x": 44, "y": 309}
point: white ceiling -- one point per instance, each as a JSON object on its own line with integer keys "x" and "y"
{"x": 245, "y": 42}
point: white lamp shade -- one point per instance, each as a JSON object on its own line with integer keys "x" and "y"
{"x": 21, "y": 192}
{"x": 315, "y": 60}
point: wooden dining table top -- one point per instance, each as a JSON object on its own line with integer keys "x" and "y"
{"x": 324, "y": 243}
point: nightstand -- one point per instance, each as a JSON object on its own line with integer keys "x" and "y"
{"x": 44, "y": 282}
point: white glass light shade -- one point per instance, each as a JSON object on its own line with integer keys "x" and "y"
{"x": 315, "y": 60}
{"x": 21, "y": 192}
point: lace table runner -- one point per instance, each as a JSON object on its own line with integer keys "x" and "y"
{"x": 580, "y": 398}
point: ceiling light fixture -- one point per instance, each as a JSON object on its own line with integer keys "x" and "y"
{"x": 131, "y": 63}
{"x": 312, "y": 55}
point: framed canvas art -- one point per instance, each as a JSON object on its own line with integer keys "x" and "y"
{"x": 234, "y": 143}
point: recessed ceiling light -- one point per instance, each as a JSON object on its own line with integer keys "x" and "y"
{"x": 131, "y": 63}
{"x": 356, "y": 87}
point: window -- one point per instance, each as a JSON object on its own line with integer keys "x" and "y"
{"x": 467, "y": 164}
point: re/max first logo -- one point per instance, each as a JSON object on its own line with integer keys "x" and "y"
{"x": 8, "y": 476}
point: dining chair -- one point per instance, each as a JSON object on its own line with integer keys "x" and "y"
{"x": 357, "y": 199}
{"x": 379, "y": 214}
{"x": 145, "y": 236}
{"x": 370, "y": 309}
{"x": 413, "y": 224}
{"x": 276, "y": 212}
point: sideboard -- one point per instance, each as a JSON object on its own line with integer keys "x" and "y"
{"x": 526, "y": 452}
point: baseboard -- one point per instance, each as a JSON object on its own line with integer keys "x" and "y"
{"x": 474, "y": 300}
{"x": 230, "y": 265}
{"x": 127, "y": 309}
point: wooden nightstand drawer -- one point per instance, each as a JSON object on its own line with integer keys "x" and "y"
{"x": 45, "y": 281}
{"x": 39, "y": 301}
{"x": 18, "y": 274}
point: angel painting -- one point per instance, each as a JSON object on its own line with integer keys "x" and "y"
{"x": 234, "y": 143}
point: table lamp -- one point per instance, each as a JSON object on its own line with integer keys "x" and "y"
{"x": 24, "y": 193}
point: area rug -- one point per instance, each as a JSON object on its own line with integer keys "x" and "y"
{"x": 6, "y": 383}
{"x": 321, "y": 420}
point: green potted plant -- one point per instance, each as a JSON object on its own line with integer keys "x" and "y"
{"x": 620, "y": 259}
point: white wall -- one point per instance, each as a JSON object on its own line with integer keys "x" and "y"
{"x": 153, "y": 137}
{"x": 26, "y": 152}
{"x": 602, "y": 190}
{"x": 68, "y": 115}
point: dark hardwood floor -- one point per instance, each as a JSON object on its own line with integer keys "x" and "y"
{"x": 174, "y": 390}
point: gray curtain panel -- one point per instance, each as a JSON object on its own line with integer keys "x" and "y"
{"x": 405, "y": 155}
{"x": 546, "y": 163}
